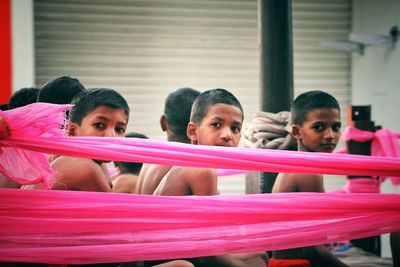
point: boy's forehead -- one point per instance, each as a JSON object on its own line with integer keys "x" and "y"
{"x": 222, "y": 109}
{"x": 318, "y": 111}
{"x": 105, "y": 111}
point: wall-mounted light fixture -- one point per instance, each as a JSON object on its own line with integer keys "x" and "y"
{"x": 357, "y": 42}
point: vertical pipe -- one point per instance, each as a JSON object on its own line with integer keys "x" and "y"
{"x": 276, "y": 62}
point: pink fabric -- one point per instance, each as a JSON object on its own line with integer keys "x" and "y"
{"x": 362, "y": 185}
{"x": 385, "y": 143}
{"x": 37, "y": 127}
{"x": 62, "y": 227}
{"x": 35, "y": 120}
{"x": 352, "y": 133}
{"x": 228, "y": 172}
{"x": 86, "y": 227}
{"x": 112, "y": 171}
{"x": 162, "y": 152}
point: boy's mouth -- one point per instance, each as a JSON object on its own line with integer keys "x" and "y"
{"x": 329, "y": 146}
{"x": 225, "y": 145}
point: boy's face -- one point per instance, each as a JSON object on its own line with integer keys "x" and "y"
{"x": 320, "y": 132}
{"x": 103, "y": 122}
{"x": 220, "y": 127}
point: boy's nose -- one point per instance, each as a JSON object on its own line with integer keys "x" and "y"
{"x": 110, "y": 133}
{"x": 227, "y": 134}
{"x": 329, "y": 133}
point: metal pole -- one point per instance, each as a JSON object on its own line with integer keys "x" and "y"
{"x": 276, "y": 62}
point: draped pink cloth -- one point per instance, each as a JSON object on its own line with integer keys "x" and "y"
{"x": 220, "y": 172}
{"x": 362, "y": 185}
{"x": 85, "y": 227}
{"x": 385, "y": 143}
{"x": 68, "y": 227}
{"x": 35, "y": 120}
{"x": 228, "y": 172}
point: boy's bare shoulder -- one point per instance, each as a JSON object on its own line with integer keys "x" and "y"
{"x": 188, "y": 181}
{"x": 125, "y": 183}
{"x": 150, "y": 177}
{"x": 79, "y": 174}
{"x": 201, "y": 181}
{"x": 298, "y": 182}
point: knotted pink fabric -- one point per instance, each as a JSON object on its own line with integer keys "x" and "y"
{"x": 385, "y": 143}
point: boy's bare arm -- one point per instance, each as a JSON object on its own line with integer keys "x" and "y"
{"x": 310, "y": 182}
{"x": 125, "y": 183}
{"x": 297, "y": 182}
{"x": 80, "y": 174}
{"x": 201, "y": 181}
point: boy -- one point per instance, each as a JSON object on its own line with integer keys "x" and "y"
{"x": 61, "y": 90}
{"x": 174, "y": 122}
{"x": 23, "y": 97}
{"x": 316, "y": 126}
{"x": 96, "y": 112}
{"x": 216, "y": 120}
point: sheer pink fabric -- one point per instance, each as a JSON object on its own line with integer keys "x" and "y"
{"x": 362, "y": 185}
{"x": 385, "y": 143}
{"x": 86, "y": 227}
{"x": 83, "y": 227}
{"x": 35, "y": 120}
{"x": 40, "y": 132}
{"x": 228, "y": 172}
{"x": 112, "y": 171}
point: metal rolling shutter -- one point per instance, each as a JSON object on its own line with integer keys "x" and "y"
{"x": 147, "y": 48}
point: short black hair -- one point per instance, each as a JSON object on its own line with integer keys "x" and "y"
{"x": 61, "y": 90}
{"x": 23, "y": 97}
{"x": 177, "y": 108}
{"x": 131, "y": 167}
{"x": 209, "y": 98}
{"x": 310, "y": 101}
{"x": 4, "y": 107}
{"x": 89, "y": 100}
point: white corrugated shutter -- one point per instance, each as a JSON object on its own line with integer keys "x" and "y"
{"x": 317, "y": 68}
{"x": 147, "y": 48}
{"x": 314, "y": 67}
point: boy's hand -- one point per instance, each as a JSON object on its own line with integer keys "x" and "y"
{"x": 252, "y": 259}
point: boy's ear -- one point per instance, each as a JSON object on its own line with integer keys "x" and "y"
{"x": 163, "y": 123}
{"x": 191, "y": 132}
{"x": 296, "y": 131}
{"x": 72, "y": 128}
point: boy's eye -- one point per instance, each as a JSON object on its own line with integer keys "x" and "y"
{"x": 336, "y": 127}
{"x": 99, "y": 125}
{"x": 318, "y": 127}
{"x": 235, "y": 129}
{"x": 216, "y": 124}
{"x": 120, "y": 130}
